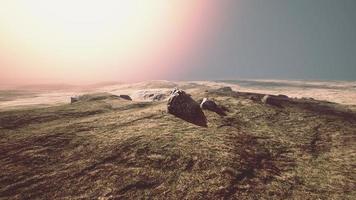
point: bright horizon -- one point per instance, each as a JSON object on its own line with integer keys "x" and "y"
{"x": 80, "y": 42}
{"x": 89, "y": 41}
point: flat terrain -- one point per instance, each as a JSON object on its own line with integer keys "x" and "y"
{"x": 104, "y": 147}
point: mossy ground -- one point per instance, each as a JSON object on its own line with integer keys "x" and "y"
{"x": 117, "y": 149}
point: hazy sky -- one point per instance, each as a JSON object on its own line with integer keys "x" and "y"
{"x": 284, "y": 39}
{"x": 88, "y": 41}
{"x": 81, "y": 41}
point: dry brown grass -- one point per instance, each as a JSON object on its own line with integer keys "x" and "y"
{"x": 116, "y": 149}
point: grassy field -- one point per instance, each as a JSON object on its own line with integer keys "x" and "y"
{"x": 110, "y": 148}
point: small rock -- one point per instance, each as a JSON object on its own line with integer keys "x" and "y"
{"x": 74, "y": 99}
{"x": 124, "y": 96}
{"x": 273, "y": 100}
{"x": 212, "y": 106}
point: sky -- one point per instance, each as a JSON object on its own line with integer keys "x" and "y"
{"x": 89, "y": 41}
{"x": 282, "y": 39}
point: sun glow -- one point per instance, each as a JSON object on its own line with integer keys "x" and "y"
{"x": 92, "y": 40}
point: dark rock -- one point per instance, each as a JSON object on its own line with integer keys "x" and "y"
{"x": 273, "y": 100}
{"x": 181, "y": 105}
{"x": 124, "y": 96}
{"x": 74, "y": 99}
{"x": 212, "y": 106}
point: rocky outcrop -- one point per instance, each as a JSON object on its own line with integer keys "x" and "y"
{"x": 126, "y": 97}
{"x": 212, "y": 106}
{"x": 181, "y": 105}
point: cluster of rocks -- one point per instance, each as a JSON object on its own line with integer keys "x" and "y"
{"x": 181, "y": 105}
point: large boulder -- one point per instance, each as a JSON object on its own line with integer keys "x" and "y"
{"x": 181, "y": 105}
{"x": 212, "y": 106}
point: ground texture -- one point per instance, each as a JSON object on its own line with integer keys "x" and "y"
{"x": 109, "y": 148}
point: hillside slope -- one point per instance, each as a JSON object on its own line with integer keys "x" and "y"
{"x": 111, "y": 148}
